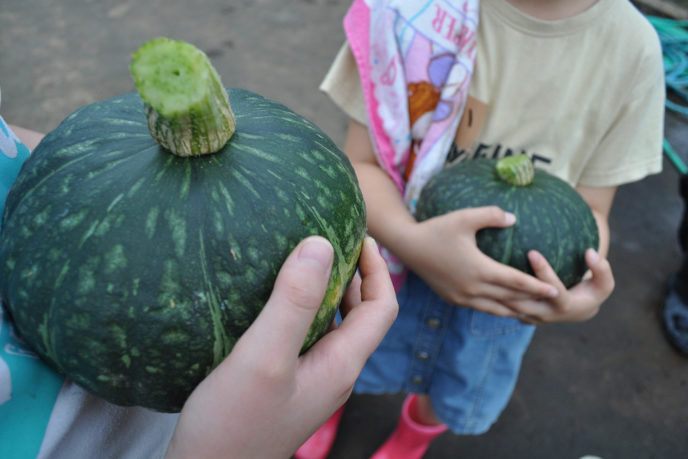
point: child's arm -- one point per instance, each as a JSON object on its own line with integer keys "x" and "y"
{"x": 441, "y": 250}
{"x": 28, "y": 137}
{"x": 583, "y": 300}
{"x": 600, "y": 201}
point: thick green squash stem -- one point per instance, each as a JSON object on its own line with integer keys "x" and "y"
{"x": 186, "y": 105}
{"x": 516, "y": 170}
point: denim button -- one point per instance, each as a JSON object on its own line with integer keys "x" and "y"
{"x": 433, "y": 322}
{"x": 417, "y": 379}
{"x": 422, "y": 355}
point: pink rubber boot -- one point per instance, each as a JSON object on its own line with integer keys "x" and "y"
{"x": 410, "y": 440}
{"x": 320, "y": 443}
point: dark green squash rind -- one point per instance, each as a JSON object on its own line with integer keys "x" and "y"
{"x": 119, "y": 260}
{"x": 552, "y": 218}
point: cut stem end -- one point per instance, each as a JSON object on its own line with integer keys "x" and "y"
{"x": 516, "y": 170}
{"x": 186, "y": 105}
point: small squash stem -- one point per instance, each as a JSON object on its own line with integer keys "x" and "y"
{"x": 516, "y": 170}
{"x": 186, "y": 105}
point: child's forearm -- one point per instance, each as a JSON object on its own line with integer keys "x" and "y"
{"x": 603, "y": 229}
{"x": 28, "y": 137}
{"x": 388, "y": 219}
{"x": 600, "y": 200}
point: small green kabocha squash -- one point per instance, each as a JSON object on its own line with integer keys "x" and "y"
{"x": 551, "y": 217}
{"x": 133, "y": 266}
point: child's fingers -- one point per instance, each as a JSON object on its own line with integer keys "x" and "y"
{"x": 518, "y": 281}
{"x": 485, "y": 217}
{"x": 581, "y": 302}
{"x": 493, "y": 307}
{"x": 602, "y": 276}
{"x": 543, "y": 270}
{"x": 352, "y": 297}
{"x": 366, "y": 323}
{"x": 375, "y": 279}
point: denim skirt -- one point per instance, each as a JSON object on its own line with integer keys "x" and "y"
{"x": 467, "y": 361}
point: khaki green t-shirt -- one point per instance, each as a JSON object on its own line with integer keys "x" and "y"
{"x": 583, "y": 97}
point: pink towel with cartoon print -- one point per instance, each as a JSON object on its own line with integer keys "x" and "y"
{"x": 415, "y": 60}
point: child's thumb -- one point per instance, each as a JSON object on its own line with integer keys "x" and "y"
{"x": 297, "y": 294}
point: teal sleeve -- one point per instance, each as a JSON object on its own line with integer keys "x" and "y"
{"x": 28, "y": 387}
{"x": 13, "y": 153}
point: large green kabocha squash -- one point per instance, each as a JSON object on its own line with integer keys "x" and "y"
{"x": 551, "y": 217}
{"x": 133, "y": 270}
